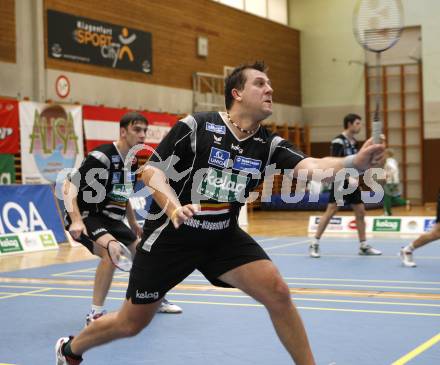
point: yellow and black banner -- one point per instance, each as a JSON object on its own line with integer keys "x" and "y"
{"x": 83, "y": 40}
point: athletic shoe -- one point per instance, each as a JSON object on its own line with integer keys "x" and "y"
{"x": 314, "y": 251}
{"x": 168, "y": 307}
{"x": 93, "y": 316}
{"x": 367, "y": 250}
{"x": 407, "y": 258}
{"x": 60, "y": 358}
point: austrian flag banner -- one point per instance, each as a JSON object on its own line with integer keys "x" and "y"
{"x": 101, "y": 125}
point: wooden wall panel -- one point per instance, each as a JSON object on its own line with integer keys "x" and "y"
{"x": 234, "y": 37}
{"x": 320, "y": 149}
{"x": 431, "y": 172}
{"x": 7, "y": 31}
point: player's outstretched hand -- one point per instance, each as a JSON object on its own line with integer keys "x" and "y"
{"x": 370, "y": 155}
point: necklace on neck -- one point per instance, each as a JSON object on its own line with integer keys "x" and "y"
{"x": 247, "y": 131}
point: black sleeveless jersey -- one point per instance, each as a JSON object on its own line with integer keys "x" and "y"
{"x": 104, "y": 184}
{"x": 341, "y": 146}
{"x": 207, "y": 163}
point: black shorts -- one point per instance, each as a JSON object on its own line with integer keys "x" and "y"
{"x": 175, "y": 255}
{"x": 352, "y": 198}
{"x": 98, "y": 226}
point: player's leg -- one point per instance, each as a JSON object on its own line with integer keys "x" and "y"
{"x": 262, "y": 281}
{"x": 387, "y": 202}
{"x": 406, "y": 253}
{"x": 331, "y": 210}
{"x": 236, "y": 260}
{"x": 364, "y": 248}
{"x": 127, "y": 322}
{"x": 103, "y": 278}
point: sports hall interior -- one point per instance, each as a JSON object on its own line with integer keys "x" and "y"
{"x": 358, "y": 310}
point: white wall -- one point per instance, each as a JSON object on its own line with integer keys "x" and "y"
{"x": 275, "y": 10}
{"x": 331, "y": 84}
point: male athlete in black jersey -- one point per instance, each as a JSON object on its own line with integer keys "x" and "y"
{"x": 101, "y": 205}
{"x": 342, "y": 145}
{"x": 200, "y": 175}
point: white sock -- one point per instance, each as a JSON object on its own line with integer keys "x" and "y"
{"x": 409, "y": 248}
{"x": 97, "y": 308}
{"x": 315, "y": 241}
{"x": 363, "y": 243}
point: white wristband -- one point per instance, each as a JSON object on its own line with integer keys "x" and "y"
{"x": 349, "y": 162}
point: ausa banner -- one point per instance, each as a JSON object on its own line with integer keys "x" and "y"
{"x": 83, "y": 40}
{"x": 29, "y": 208}
{"x": 51, "y": 140}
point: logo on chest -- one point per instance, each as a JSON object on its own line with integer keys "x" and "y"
{"x": 218, "y": 140}
{"x": 236, "y": 147}
{"x": 219, "y": 157}
{"x": 116, "y": 177}
{"x": 246, "y": 164}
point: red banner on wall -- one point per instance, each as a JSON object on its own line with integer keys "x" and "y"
{"x": 101, "y": 125}
{"x": 9, "y": 132}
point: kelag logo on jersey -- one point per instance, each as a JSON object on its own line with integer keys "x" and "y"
{"x": 222, "y": 186}
{"x": 121, "y": 192}
{"x": 218, "y": 157}
{"x": 246, "y": 164}
{"x": 220, "y": 129}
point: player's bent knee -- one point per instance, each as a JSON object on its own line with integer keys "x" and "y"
{"x": 279, "y": 296}
{"x": 107, "y": 260}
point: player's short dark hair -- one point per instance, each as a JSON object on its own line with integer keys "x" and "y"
{"x": 130, "y": 118}
{"x": 237, "y": 79}
{"x": 350, "y": 118}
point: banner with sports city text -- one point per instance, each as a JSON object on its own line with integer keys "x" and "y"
{"x": 30, "y": 208}
{"x": 77, "y": 39}
{"x": 51, "y": 140}
{"x": 9, "y": 131}
{"x": 101, "y": 125}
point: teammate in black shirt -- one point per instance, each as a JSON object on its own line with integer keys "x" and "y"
{"x": 200, "y": 176}
{"x": 345, "y": 145}
{"x": 101, "y": 205}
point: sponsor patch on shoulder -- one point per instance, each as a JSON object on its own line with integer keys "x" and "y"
{"x": 246, "y": 164}
{"x": 220, "y": 129}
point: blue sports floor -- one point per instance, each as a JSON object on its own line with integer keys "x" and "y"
{"x": 358, "y": 311}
